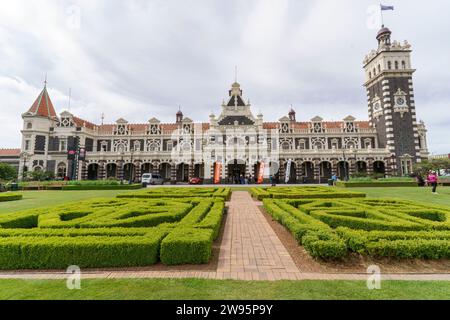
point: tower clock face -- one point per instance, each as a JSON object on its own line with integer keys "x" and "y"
{"x": 377, "y": 106}
{"x": 400, "y": 101}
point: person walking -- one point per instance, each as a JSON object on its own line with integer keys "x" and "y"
{"x": 334, "y": 178}
{"x": 433, "y": 181}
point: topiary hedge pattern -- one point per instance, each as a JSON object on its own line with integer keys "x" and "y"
{"x": 111, "y": 233}
{"x": 309, "y": 192}
{"x": 10, "y": 196}
{"x": 376, "y": 227}
{"x": 180, "y": 192}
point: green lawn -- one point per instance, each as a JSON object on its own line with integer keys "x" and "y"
{"x": 36, "y": 199}
{"x": 410, "y": 193}
{"x": 220, "y": 289}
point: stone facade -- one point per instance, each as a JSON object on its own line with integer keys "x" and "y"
{"x": 389, "y": 143}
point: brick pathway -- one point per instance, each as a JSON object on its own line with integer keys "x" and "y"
{"x": 250, "y": 250}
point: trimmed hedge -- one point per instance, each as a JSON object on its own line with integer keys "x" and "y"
{"x": 378, "y": 227}
{"x": 180, "y": 192}
{"x": 10, "y": 197}
{"x": 187, "y": 245}
{"x": 101, "y": 187}
{"x": 111, "y": 233}
{"x": 310, "y": 192}
{"x": 362, "y": 184}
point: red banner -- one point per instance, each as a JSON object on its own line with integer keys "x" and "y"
{"x": 261, "y": 173}
{"x": 217, "y": 172}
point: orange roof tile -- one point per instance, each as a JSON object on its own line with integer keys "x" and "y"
{"x": 10, "y": 152}
{"x": 43, "y": 106}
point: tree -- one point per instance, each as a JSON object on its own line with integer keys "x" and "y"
{"x": 422, "y": 168}
{"x": 7, "y": 172}
{"x": 39, "y": 175}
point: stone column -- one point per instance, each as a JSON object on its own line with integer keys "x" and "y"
{"x": 84, "y": 170}
{"x": 119, "y": 169}
{"x": 351, "y": 167}
{"x": 137, "y": 170}
{"x": 101, "y": 173}
{"x": 156, "y": 167}
{"x": 334, "y": 167}
{"x": 316, "y": 163}
{"x": 299, "y": 165}
{"x": 191, "y": 170}
{"x": 173, "y": 173}
{"x": 369, "y": 166}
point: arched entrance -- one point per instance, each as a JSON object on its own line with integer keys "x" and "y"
{"x": 343, "y": 170}
{"x": 379, "y": 168}
{"x": 165, "y": 170}
{"x": 361, "y": 167}
{"x": 236, "y": 169}
{"x": 146, "y": 168}
{"x": 61, "y": 171}
{"x": 325, "y": 171}
{"x": 111, "y": 169}
{"x": 199, "y": 170}
{"x": 308, "y": 172}
{"x": 128, "y": 172}
{"x": 183, "y": 172}
{"x": 292, "y": 173}
{"x": 92, "y": 171}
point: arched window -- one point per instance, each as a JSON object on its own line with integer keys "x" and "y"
{"x": 396, "y": 65}
{"x": 29, "y": 125}
{"x": 389, "y": 65}
{"x": 370, "y": 75}
{"x": 374, "y": 72}
{"x": 379, "y": 68}
{"x": 285, "y": 145}
{"x": 403, "y": 65}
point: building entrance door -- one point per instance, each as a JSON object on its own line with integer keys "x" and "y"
{"x": 236, "y": 171}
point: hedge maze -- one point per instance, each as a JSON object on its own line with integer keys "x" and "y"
{"x": 302, "y": 192}
{"x": 332, "y": 228}
{"x": 177, "y": 192}
{"x": 111, "y": 233}
{"x": 10, "y": 197}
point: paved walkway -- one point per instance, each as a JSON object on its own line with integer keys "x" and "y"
{"x": 250, "y": 250}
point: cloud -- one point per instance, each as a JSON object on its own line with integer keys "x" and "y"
{"x": 140, "y": 59}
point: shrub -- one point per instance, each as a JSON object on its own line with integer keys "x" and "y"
{"x": 180, "y": 192}
{"x": 110, "y": 232}
{"x": 302, "y": 193}
{"x": 380, "y": 227}
{"x": 187, "y": 245}
{"x": 10, "y": 197}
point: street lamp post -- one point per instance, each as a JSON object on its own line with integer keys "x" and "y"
{"x": 24, "y": 156}
{"x": 121, "y": 152}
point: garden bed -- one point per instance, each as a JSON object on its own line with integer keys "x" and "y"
{"x": 111, "y": 233}
{"x": 381, "y": 228}
{"x": 302, "y": 192}
{"x": 180, "y": 192}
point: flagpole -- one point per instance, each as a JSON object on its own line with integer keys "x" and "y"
{"x": 381, "y": 13}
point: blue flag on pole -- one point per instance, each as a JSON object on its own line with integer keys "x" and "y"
{"x": 386, "y": 7}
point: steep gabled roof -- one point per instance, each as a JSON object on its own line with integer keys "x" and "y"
{"x": 43, "y": 106}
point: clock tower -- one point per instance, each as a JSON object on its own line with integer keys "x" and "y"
{"x": 390, "y": 98}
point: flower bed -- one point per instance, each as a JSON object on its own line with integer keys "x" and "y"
{"x": 180, "y": 192}
{"x": 10, "y": 196}
{"x": 302, "y": 192}
{"x": 376, "y": 227}
{"x": 111, "y": 233}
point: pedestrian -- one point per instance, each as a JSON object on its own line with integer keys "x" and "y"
{"x": 432, "y": 180}
{"x": 334, "y": 178}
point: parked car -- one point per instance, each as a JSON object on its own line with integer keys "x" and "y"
{"x": 151, "y": 178}
{"x": 196, "y": 180}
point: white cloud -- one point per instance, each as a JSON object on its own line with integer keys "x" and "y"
{"x": 139, "y": 59}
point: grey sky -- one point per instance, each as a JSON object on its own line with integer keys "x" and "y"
{"x": 140, "y": 59}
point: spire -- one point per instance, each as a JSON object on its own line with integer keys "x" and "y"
{"x": 43, "y": 106}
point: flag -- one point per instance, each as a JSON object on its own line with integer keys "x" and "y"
{"x": 288, "y": 171}
{"x": 386, "y": 7}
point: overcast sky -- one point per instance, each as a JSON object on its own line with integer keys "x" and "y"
{"x": 142, "y": 59}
